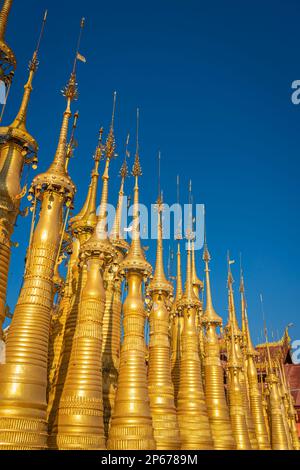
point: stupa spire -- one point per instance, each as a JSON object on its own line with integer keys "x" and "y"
{"x": 20, "y": 120}
{"x": 217, "y": 407}
{"x": 86, "y": 219}
{"x": 159, "y": 281}
{"x": 70, "y": 92}
{"x": 116, "y": 232}
{"x": 135, "y": 257}
{"x": 28, "y": 339}
{"x": 109, "y": 148}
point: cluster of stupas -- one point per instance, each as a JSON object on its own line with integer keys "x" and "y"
{"x": 69, "y": 379}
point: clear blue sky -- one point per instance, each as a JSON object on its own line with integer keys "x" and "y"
{"x": 213, "y": 81}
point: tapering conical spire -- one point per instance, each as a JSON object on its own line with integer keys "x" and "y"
{"x": 135, "y": 259}
{"x": 101, "y": 227}
{"x": 197, "y": 283}
{"x": 116, "y": 235}
{"x": 217, "y": 407}
{"x": 8, "y": 61}
{"x": 279, "y": 438}
{"x": 245, "y": 324}
{"x": 28, "y": 340}
{"x": 193, "y": 419}
{"x": 17, "y": 147}
{"x": 255, "y": 397}
{"x": 17, "y": 130}
{"x": 86, "y": 219}
{"x": 159, "y": 281}
{"x": 189, "y": 297}
{"x": 233, "y": 325}
{"x": 70, "y": 92}
{"x": 210, "y": 314}
{"x": 161, "y": 391}
{"x": 178, "y": 276}
{"x": 7, "y": 4}
{"x": 232, "y": 319}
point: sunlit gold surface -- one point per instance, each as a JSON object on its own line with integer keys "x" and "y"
{"x": 8, "y": 62}
{"x": 131, "y": 423}
{"x": 255, "y": 398}
{"x": 23, "y": 379}
{"x": 69, "y": 379}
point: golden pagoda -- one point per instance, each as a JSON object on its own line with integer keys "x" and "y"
{"x": 236, "y": 402}
{"x": 81, "y": 227}
{"x": 131, "y": 423}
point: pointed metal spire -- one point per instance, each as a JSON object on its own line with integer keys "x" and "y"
{"x": 159, "y": 281}
{"x": 210, "y": 315}
{"x": 8, "y": 61}
{"x": 116, "y": 235}
{"x": 135, "y": 259}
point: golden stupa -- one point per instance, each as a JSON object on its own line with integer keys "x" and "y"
{"x": 79, "y": 370}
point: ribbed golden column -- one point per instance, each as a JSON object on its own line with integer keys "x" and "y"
{"x": 161, "y": 390}
{"x": 58, "y": 327}
{"x": 131, "y": 423}
{"x": 238, "y": 337}
{"x": 217, "y": 407}
{"x": 177, "y": 320}
{"x": 279, "y": 439}
{"x": 23, "y": 379}
{"x": 79, "y": 423}
{"x": 192, "y": 413}
{"x": 112, "y": 314}
{"x": 17, "y": 147}
{"x": 8, "y": 63}
{"x": 236, "y": 404}
{"x": 82, "y": 226}
{"x": 255, "y": 397}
